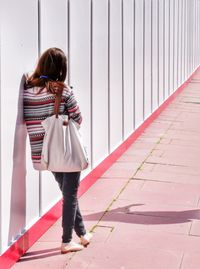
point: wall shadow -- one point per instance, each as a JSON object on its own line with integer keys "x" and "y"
{"x": 18, "y": 186}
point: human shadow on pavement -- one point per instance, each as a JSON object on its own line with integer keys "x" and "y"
{"x": 128, "y": 214}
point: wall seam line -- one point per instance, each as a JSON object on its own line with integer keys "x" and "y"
{"x": 91, "y": 80}
{"x": 39, "y": 53}
{"x": 109, "y": 142}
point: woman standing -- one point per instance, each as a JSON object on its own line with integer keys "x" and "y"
{"x": 39, "y": 97}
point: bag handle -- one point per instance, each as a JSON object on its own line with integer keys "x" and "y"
{"x": 57, "y": 103}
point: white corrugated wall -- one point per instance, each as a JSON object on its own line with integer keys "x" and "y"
{"x": 125, "y": 58}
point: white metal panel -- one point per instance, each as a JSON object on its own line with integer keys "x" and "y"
{"x": 32, "y": 190}
{"x": 1, "y": 6}
{"x": 128, "y": 67}
{"x": 180, "y": 43}
{"x": 53, "y": 33}
{"x": 198, "y": 32}
{"x": 53, "y": 24}
{"x": 115, "y": 99}
{"x": 196, "y": 28}
{"x": 184, "y": 41}
{"x": 148, "y": 62}
{"x": 139, "y": 68}
{"x": 155, "y": 59}
{"x": 100, "y": 81}
{"x": 189, "y": 40}
{"x": 166, "y": 36}
{"x": 18, "y": 52}
{"x": 161, "y": 51}
{"x": 176, "y": 47}
{"x": 197, "y": 40}
{"x": 49, "y": 192}
{"x": 190, "y": 36}
{"x": 171, "y": 44}
{"x": 80, "y": 63}
{"x": 194, "y": 32}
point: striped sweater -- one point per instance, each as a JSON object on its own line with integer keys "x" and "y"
{"x": 38, "y": 107}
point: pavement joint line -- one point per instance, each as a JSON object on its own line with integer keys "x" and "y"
{"x": 183, "y": 130}
{"x": 191, "y": 131}
{"x": 154, "y": 180}
{"x": 149, "y": 215}
{"x": 181, "y": 145}
{"x": 198, "y": 203}
{"x": 181, "y": 261}
{"x": 106, "y": 226}
{"x": 194, "y": 235}
{"x": 167, "y": 164}
{"x": 161, "y": 120}
{"x": 190, "y": 228}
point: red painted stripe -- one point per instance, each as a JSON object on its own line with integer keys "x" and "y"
{"x": 45, "y": 222}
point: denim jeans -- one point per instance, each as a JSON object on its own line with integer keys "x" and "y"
{"x": 71, "y": 215}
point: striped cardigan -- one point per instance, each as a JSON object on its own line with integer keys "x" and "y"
{"x": 38, "y": 107}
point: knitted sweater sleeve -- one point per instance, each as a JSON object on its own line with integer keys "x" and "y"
{"x": 72, "y": 108}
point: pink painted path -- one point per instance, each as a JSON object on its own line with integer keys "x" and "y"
{"x": 145, "y": 210}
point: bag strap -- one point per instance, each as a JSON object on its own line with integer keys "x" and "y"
{"x": 57, "y": 103}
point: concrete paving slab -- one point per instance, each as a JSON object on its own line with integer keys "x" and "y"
{"x": 168, "y": 187}
{"x": 121, "y": 169}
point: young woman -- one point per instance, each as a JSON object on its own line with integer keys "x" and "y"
{"x": 39, "y": 97}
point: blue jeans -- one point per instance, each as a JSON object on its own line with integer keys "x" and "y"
{"x": 71, "y": 215}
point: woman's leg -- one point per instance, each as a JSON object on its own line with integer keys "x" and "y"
{"x": 71, "y": 216}
{"x": 59, "y": 178}
{"x": 79, "y": 225}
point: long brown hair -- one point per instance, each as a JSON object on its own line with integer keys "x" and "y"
{"x": 51, "y": 71}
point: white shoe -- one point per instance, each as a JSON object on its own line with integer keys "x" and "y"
{"x": 85, "y": 239}
{"x": 70, "y": 247}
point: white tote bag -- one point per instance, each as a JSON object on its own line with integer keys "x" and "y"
{"x": 63, "y": 149}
